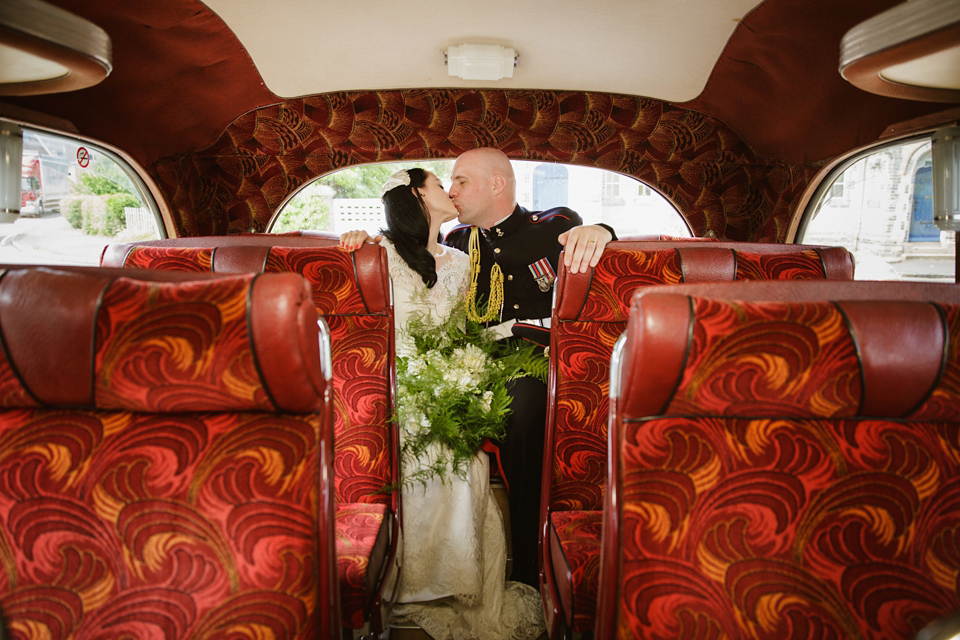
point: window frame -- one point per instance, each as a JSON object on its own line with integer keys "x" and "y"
{"x": 826, "y": 183}
{"x": 144, "y": 186}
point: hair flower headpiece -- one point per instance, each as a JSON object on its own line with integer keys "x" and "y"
{"x": 400, "y": 178}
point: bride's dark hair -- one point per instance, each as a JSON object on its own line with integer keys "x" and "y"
{"x": 408, "y": 226}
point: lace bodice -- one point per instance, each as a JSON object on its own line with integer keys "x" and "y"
{"x": 411, "y": 297}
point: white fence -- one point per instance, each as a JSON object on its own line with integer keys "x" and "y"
{"x": 359, "y": 213}
{"x": 140, "y": 222}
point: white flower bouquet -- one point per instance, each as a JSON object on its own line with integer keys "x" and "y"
{"x": 452, "y": 392}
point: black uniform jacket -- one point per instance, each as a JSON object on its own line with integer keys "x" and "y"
{"x": 519, "y": 245}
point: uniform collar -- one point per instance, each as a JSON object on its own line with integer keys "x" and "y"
{"x": 508, "y": 226}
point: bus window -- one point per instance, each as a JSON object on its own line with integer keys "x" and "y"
{"x": 75, "y": 198}
{"x": 879, "y": 205}
{"x": 350, "y": 198}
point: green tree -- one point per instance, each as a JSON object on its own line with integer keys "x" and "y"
{"x": 310, "y": 212}
{"x": 104, "y": 177}
{"x": 365, "y": 181}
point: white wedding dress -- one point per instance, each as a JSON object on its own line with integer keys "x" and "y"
{"x": 454, "y": 552}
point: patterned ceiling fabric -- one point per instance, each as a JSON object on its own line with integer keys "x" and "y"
{"x": 718, "y": 183}
{"x": 783, "y": 514}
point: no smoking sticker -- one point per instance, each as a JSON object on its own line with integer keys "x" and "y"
{"x": 83, "y": 157}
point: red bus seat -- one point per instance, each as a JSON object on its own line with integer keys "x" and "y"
{"x": 351, "y": 290}
{"x": 166, "y": 456}
{"x": 785, "y": 462}
{"x": 590, "y": 312}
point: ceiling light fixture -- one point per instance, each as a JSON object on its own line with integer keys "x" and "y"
{"x": 480, "y": 61}
{"x": 44, "y": 49}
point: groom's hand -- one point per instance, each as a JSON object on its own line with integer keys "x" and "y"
{"x": 583, "y": 246}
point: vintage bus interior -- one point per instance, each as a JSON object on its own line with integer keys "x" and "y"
{"x": 731, "y": 449}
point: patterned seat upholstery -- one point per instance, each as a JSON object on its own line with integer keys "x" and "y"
{"x": 352, "y": 292}
{"x": 165, "y": 456}
{"x": 784, "y": 468}
{"x": 590, "y": 312}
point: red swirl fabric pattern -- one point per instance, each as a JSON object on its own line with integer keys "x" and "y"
{"x": 362, "y": 462}
{"x": 747, "y": 363}
{"x": 12, "y": 391}
{"x": 198, "y": 260}
{"x": 579, "y": 536}
{"x": 580, "y": 434}
{"x": 177, "y": 372}
{"x": 800, "y": 265}
{"x": 117, "y": 524}
{"x": 787, "y": 528}
{"x": 330, "y": 271}
{"x": 363, "y": 453}
{"x": 617, "y": 275}
{"x": 358, "y": 529}
{"x": 945, "y": 397}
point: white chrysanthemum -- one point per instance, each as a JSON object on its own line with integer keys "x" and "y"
{"x": 486, "y": 400}
{"x": 415, "y": 366}
{"x": 470, "y": 357}
{"x": 414, "y": 420}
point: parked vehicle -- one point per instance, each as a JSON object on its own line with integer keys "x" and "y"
{"x": 45, "y": 182}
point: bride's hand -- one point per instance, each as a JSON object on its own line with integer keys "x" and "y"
{"x": 353, "y": 240}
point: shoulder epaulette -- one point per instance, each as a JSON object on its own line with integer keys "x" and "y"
{"x": 543, "y": 217}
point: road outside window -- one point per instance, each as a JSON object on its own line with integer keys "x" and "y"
{"x": 75, "y": 198}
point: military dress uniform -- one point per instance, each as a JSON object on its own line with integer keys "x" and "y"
{"x": 526, "y": 248}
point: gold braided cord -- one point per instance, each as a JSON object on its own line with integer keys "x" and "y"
{"x": 496, "y": 284}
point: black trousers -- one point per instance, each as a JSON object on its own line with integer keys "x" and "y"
{"x": 521, "y": 454}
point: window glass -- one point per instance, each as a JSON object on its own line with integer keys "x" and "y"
{"x": 880, "y": 207}
{"x": 75, "y": 198}
{"x": 350, "y": 198}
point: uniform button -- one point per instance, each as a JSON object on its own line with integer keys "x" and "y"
{"x": 497, "y": 250}
{"x": 509, "y": 276}
{"x": 534, "y": 218}
{"x": 516, "y": 306}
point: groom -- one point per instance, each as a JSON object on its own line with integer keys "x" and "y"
{"x": 517, "y": 252}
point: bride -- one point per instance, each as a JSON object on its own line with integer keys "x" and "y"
{"x": 452, "y": 581}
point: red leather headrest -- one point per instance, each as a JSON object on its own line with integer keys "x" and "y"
{"x": 626, "y": 265}
{"x": 343, "y": 282}
{"x": 799, "y": 358}
{"x": 158, "y": 342}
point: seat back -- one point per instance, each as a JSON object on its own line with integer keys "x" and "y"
{"x": 352, "y": 292}
{"x": 784, "y": 468}
{"x": 165, "y": 455}
{"x": 590, "y": 312}
{"x": 118, "y": 254}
